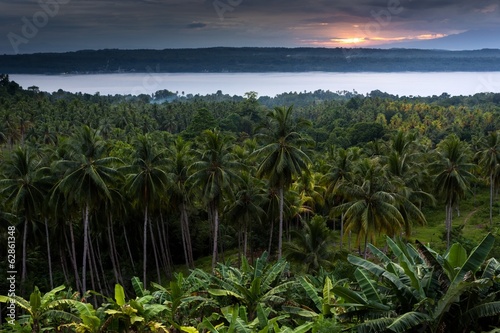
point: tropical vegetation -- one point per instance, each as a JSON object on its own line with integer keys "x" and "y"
{"x": 306, "y": 212}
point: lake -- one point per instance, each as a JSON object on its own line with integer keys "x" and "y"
{"x": 268, "y": 84}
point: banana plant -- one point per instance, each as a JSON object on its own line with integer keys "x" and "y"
{"x": 235, "y": 318}
{"x": 138, "y": 314}
{"x": 422, "y": 290}
{"x": 183, "y": 300}
{"x": 323, "y": 301}
{"x": 47, "y": 311}
{"x": 264, "y": 284}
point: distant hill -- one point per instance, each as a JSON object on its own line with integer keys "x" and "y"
{"x": 217, "y": 60}
{"x": 469, "y": 40}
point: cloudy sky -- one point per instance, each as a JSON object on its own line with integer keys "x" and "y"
{"x": 28, "y": 26}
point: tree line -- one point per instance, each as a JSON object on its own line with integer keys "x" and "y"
{"x": 251, "y": 59}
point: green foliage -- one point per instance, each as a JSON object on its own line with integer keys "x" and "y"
{"x": 120, "y": 174}
{"x": 422, "y": 291}
{"x": 312, "y": 246}
{"x": 365, "y": 132}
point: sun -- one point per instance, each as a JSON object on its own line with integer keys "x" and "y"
{"x": 349, "y": 40}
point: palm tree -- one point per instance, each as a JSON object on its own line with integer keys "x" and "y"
{"x": 371, "y": 204}
{"x": 87, "y": 171}
{"x": 180, "y": 158}
{"x": 214, "y": 172}
{"x": 489, "y": 160}
{"x": 452, "y": 175}
{"x": 408, "y": 174}
{"x": 311, "y": 246}
{"x": 338, "y": 169}
{"x": 24, "y": 187}
{"x": 147, "y": 181}
{"x": 311, "y": 194}
{"x": 282, "y": 156}
{"x": 247, "y": 206}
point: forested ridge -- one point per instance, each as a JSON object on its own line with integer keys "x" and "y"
{"x": 116, "y": 198}
{"x": 251, "y": 59}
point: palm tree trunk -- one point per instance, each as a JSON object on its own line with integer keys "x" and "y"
{"x": 491, "y": 198}
{"x": 64, "y": 267}
{"x": 183, "y": 233}
{"x": 245, "y": 238}
{"x": 155, "y": 252}
{"x": 144, "y": 248}
{"x": 186, "y": 236}
{"x": 168, "y": 253}
{"x": 49, "y": 259}
{"x": 128, "y": 247}
{"x": 216, "y": 234}
{"x": 449, "y": 211}
{"x": 271, "y": 236}
{"x": 25, "y": 239}
{"x": 162, "y": 252}
{"x": 366, "y": 246}
{"x": 341, "y": 230}
{"x": 280, "y": 232}
{"x": 85, "y": 248}
{"x": 73, "y": 256}
{"x": 93, "y": 266}
{"x": 115, "y": 252}
{"x": 112, "y": 251}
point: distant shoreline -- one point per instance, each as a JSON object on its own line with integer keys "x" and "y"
{"x": 251, "y": 60}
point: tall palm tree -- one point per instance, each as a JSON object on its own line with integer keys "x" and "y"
{"x": 247, "y": 206}
{"x": 452, "y": 172}
{"x": 371, "y": 203}
{"x": 338, "y": 169}
{"x": 147, "y": 181}
{"x": 283, "y": 157}
{"x": 179, "y": 161}
{"x": 214, "y": 172}
{"x": 489, "y": 160}
{"x": 408, "y": 174}
{"x": 24, "y": 187}
{"x": 87, "y": 170}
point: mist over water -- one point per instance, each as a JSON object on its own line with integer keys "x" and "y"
{"x": 268, "y": 84}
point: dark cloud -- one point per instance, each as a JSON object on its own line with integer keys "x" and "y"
{"x": 76, "y": 24}
{"x": 196, "y": 25}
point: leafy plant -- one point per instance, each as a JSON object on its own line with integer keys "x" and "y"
{"x": 422, "y": 290}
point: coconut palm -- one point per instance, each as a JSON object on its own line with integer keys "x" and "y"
{"x": 338, "y": 168}
{"x": 408, "y": 174}
{"x": 452, "y": 172}
{"x": 86, "y": 173}
{"x": 24, "y": 187}
{"x": 214, "y": 172}
{"x": 489, "y": 160}
{"x": 179, "y": 161}
{"x": 311, "y": 246}
{"x": 147, "y": 180}
{"x": 370, "y": 203}
{"x": 283, "y": 157}
{"x": 311, "y": 194}
{"x": 247, "y": 206}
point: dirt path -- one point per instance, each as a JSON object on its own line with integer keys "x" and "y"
{"x": 470, "y": 215}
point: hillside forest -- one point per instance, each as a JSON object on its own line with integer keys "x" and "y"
{"x": 304, "y": 212}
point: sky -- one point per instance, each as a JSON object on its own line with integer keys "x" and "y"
{"x": 29, "y": 26}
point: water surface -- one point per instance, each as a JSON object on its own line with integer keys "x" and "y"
{"x": 268, "y": 84}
